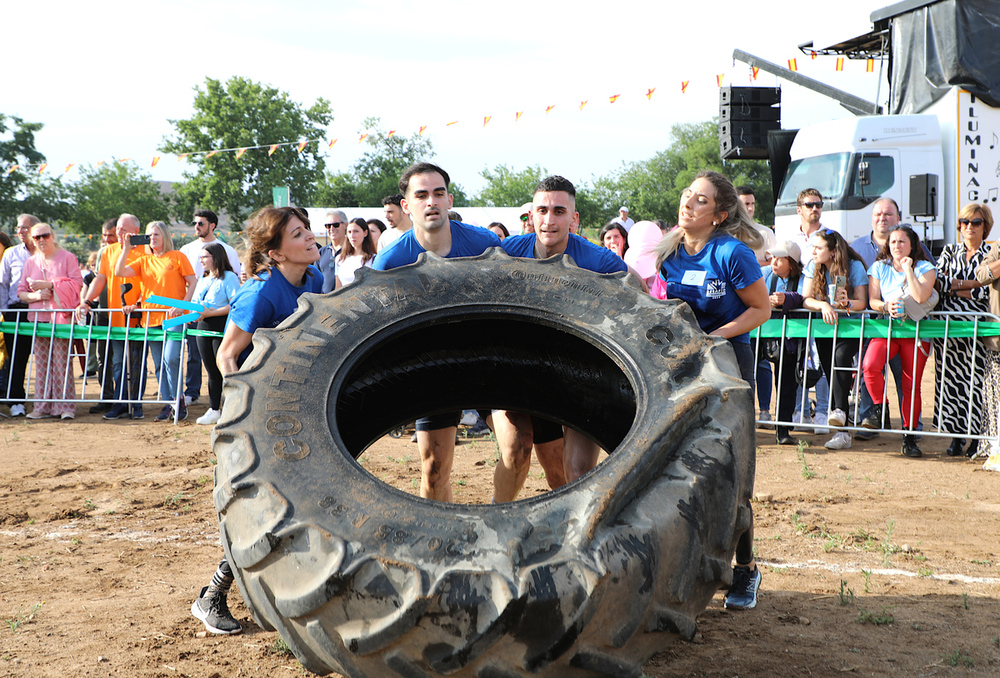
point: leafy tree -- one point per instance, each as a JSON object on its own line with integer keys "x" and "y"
{"x": 17, "y": 147}
{"x": 111, "y": 189}
{"x": 48, "y": 198}
{"x": 377, "y": 172}
{"x": 244, "y": 114}
{"x": 337, "y": 190}
{"x": 506, "y": 187}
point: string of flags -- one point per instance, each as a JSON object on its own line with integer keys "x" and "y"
{"x": 300, "y": 146}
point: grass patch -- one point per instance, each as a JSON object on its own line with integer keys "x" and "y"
{"x": 280, "y": 648}
{"x": 958, "y": 658}
{"x": 23, "y": 616}
{"x": 846, "y": 595}
{"x": 875, "y": 619}
{"x": 800, "y": 452}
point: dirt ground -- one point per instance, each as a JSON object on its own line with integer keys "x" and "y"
{"x": 873, "y": 564}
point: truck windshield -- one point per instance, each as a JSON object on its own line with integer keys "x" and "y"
{"x": 826, "y": 173}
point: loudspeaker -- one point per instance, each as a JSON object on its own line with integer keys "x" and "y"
{"x": 923, "y": 195}
{"x": 746, "y": 115}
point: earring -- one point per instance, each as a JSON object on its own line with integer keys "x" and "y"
{"x": 715, "y": 223}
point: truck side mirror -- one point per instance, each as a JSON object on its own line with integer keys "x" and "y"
{"x": 864, "y": 174}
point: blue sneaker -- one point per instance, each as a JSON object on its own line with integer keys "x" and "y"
{"x": 117, "y": 412}
{"x": 742, "y": 594}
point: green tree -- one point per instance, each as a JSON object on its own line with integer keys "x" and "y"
{"x": 245, "y": 114}
{"x": 506, "y": 187}
{"x": 17, "y": 147}
{"x": 48, "y": 198}
{"x": 104, "y": 192}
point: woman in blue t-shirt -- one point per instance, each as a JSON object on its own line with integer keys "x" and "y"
{"x": 215, "y": 290}
{"x": 833, "y": 258}
{"x": 708, "y": 261}
{"x": 901, "y": 269}
{"x": 279, "y": 262}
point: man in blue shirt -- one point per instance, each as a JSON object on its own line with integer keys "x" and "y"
{"x": 564, "y": 457}
{"x": 426, "y": 199}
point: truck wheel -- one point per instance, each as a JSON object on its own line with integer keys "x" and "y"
{"x": 591, "y": 579}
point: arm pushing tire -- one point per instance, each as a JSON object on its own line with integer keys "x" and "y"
{"x": 590, "y": 579}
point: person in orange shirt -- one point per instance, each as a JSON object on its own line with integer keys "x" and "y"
{"x": 121, "y": 292}
{"x": 165, "y": 272}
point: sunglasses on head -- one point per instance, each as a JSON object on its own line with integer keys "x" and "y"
{"x": 977, "y": 222}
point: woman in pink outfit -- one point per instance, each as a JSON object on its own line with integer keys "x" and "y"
{"x": 51, "y": 280}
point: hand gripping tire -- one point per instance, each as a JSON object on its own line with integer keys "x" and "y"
{"x": 591, "y": 579}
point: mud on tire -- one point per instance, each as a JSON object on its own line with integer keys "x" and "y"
{"x": 591, "y": 579}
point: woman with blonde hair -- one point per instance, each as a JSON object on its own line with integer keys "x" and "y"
{"x": 165, "y": 272}
{"x": 50, "y": 280}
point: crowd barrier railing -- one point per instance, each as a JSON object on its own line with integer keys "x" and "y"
{"x": 946, "y": 326}
{"x": 97, "y": 337}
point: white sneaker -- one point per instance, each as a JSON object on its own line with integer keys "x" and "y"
{"x": 209, "y": 418}
{"x": 820, "y": 420}
{"x": 840, "y": 441}
{"x": 797, "y": 418}
{"x": 765, "y": 419}
{"x": 838, "y": 418}
{"x": 469, "y": 417}
{"x": 17, "y": 410}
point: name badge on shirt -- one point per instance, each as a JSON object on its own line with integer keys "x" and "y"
{"x": 695, "y": 278}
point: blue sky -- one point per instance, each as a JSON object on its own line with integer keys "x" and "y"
{"x": 105, "y": 77}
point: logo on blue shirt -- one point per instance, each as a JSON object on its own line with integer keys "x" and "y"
{"x": 716, "y": 289}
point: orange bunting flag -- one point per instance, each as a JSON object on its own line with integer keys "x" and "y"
{"x": 101, "y": 162}
{"x": 649, "y": 92}
{"x": 549, "y": 108}
{"x": 813, "y": 54}
{"x": 840, "y": 63}
{"x": 12, "y": 168}
{"x": 422, "y": 128}
{"x": 684, "y": 85}
{"x": 614, "y": 98}
{"x": 210, "y": 154}
{"x": 389, "y": 135}
{"x": 517, "y": 116}
{"x": 486, "y": 120}
{"x": 179, "y": 157}
{"x": 156, "y": 159}
{"x": 239, "y": 153}
{"x": 718, "y": 79}
{"x": 582, "y": 104}
{"x": 73, "y": 164}
{"x": 449, "y": 124}
{"x": 871, "y": 66}
{"x": 754, "y": 72}
{"x": 793, "y": 65}
{"x": 302, "y": 145}
{"x": 41, "y": 168}
{"x": 362, "y": 137}
{"x": 332, "y": 142}
{"x": 124, "y": 160}
{"x": 271, "y": 149}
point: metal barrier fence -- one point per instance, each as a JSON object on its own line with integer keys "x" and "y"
{"x": 946, "y": 326}
{"x": 129, "y": 343}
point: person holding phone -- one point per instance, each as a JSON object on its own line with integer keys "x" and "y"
{"x": 836, "y": 282}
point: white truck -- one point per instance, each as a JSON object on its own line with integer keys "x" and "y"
{"x": 952, "y": 151}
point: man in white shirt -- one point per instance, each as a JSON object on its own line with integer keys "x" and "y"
{"x": 623, "y": 219}
{"x": 205, "y": 222}
{"x": 399, "y": 221}
{"x": 749, "y": 201}
{"x": 809, "y": 206}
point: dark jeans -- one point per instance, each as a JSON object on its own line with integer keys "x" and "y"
{"x": 19, "y": 353}
{"x": 208, "y": 348}
{"x": 840, "y": 380}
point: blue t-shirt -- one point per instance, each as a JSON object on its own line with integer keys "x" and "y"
{"x": 212, "y": 292}
{"x": 585, "y": 253}
{"x": 466, "y": 241}
{"x": 266, "y": 302}
{"x": 780, "y": 284}
{"x": 708, "y": 281}
{"x": 891, "y": 281}
{"x": 857, "y": 277}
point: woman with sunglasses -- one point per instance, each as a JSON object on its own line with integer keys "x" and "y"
{"x": 50, "y": 280}
{"x": 956, "y": 268}
{"x": 901, "y": 269}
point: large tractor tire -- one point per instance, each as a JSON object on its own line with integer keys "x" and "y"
{"x": 588, "y": 580}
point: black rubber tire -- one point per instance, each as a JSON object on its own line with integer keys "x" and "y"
{"x": 591, "y": 579}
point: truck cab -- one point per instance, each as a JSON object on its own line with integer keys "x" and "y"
{"x": 853, "y": 162}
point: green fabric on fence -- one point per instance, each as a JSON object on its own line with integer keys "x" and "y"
{"x": 851, "y": 329}
{"x": 99, "y": 332}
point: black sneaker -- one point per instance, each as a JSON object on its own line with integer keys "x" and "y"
{"x": 165, "y": 413}
{"x": 137, "y": 412}
{"x": 909, "y": 447}
{"x": 742, "y": 594}
{"x": 873, "y": 420}
{"x": 182, "y": 413}
{"x": 100, "y": 407}
{"x": 213, "y": 611}
{"x": 117, "y": 412}
{"x": 784, "y": 436}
